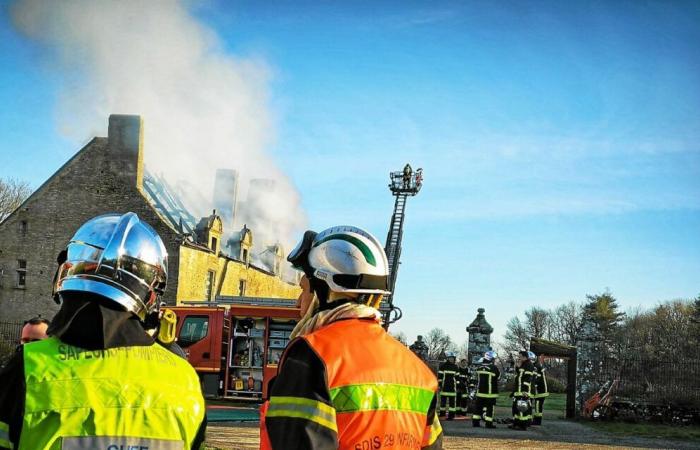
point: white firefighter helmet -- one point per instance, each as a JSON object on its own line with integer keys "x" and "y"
{"x": 346, "y": 258}
{"x": 118, "y": 257}
{"x": 531, "y": 356}
{"x": 450, "y": 355}
{"x": 490, "y": 355}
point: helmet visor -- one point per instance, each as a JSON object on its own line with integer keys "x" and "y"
{"x": 362, "y": 281}
{"x": 299, "y": 256}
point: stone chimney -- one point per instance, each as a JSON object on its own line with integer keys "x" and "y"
{"x": 125, "y": 146}
{"x": 226, "y": 195}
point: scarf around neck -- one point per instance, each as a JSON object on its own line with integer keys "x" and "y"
{"x": 315, "y": 319}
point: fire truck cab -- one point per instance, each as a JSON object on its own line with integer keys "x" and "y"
{"x": 236, "y": 347}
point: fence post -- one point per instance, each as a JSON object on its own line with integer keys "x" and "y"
{"x": 571, "y": 386}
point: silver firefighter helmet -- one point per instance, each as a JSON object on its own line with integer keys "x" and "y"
{"x": 119, "y": 257}
{"x": 522, "y": 405}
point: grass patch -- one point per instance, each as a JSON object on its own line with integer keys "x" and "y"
{"x": 554, "y": 403}
{"x": 690, "y": 433}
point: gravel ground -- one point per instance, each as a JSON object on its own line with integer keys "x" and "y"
{"x": 459, "y": 434}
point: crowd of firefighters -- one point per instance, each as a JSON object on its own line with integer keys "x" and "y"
{"x": 466, "y": 390}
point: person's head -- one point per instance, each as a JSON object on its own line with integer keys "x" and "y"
{"x": 463, "y": 363}
{"x": 522, "y": 357}
{"x": 451, "y": 357}
{"x": 34, "y": 329}
{"x": 342, "y": 262}
{"x": 118, "y": 258}
{"x": 532, "y": 357}
{"x": 419, "y": 338}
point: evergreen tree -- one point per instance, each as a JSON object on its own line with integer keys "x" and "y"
{"x": 602, "y": 320}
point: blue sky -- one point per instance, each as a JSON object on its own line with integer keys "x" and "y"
{"x": 560, "y": 140}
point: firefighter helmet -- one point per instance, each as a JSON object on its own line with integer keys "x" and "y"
{"x": 346, "y": 258}
{"x": 531, "y": 356}
{"x": 450, "y": 355}
{"x": 522, "y": 405}
{"x": 490, "y": 355}
{"x": 118, "y": 257}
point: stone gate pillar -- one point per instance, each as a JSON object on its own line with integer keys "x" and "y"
{"x": 479, "y": 337}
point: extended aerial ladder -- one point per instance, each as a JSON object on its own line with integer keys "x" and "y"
{"x": 403, "y": 184}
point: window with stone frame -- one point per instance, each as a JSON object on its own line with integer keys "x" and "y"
{"x": 241, "y": 288}
{"x": 208, "y": 287}
{"x": 23, "y": 228}
{"x": 21, "y": 273}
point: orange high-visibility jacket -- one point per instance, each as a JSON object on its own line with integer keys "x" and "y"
{"x": 350, "y": 385}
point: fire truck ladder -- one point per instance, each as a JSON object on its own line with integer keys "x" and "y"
{"x": 403, "y": 184}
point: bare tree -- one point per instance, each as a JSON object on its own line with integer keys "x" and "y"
{"x": 538, "y": 323}
{"x": 401, "y": 337}
{"x": 516, "y": 337}
{"x": 12, "y": 194}
{"x": 567, "y": 323}
{"x": 438, "y": 342}
{"x": 463, "y": 351}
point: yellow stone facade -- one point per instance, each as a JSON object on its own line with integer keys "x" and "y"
{"x": 203, "y": 276}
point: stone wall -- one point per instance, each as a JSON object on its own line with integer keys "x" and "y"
{"x": 104, "y": 176}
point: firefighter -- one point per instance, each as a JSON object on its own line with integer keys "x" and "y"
{"x": 486, "y": 390}
{"x": 522, "y": 408}
{"x": 343, "y": 382}
{"x": 541, "y": 392}
{"x": 407, "y": 172}
{"x": 447, "y": 379}
{"x": 99, "y": 380}
{"x": 463, "y": 387}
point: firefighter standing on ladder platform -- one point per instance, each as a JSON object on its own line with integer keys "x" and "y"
{"x": 486, "y": 390}
{"x": 447, "y": 379}
{"x": 541, "y": 392}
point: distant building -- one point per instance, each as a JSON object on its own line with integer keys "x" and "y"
{"x": 108, "y": 175}
{"x": 479, "y": 337}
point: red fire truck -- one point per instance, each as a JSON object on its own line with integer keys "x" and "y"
{"x": 235, "y": 345}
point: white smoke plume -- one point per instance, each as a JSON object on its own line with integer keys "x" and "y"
{"x": 203, "y": 108}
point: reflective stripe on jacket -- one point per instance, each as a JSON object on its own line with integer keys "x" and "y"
{"x": 462, "y": 379}
{"x": 524, "y": 379}
{"x": 128, "y": 396}
{"x": 447, "y": 377}
{"x": 541, "y": 388}
{"x": 487, "y": 384}
{"x": 372, "y": 392}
